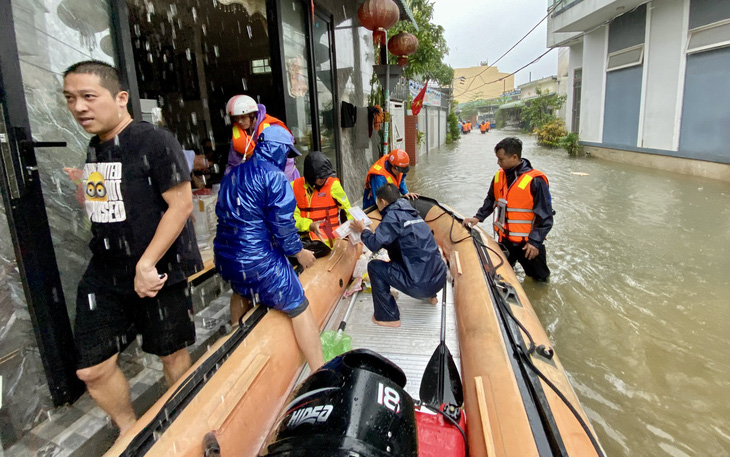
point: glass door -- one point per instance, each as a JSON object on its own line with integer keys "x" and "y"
{"x": 296, "y": 66}
{"x": 327, "y": 100}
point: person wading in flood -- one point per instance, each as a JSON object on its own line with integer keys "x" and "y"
{"x": 520, "y": 197}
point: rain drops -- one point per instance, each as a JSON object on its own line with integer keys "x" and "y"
{"x": 91, "y": 298}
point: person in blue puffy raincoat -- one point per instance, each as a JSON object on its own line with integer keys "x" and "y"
{"x": 256, "y": 233}
{"x": 415, "y": 268}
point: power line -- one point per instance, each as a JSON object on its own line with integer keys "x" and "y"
{"x": 473, "y": 78}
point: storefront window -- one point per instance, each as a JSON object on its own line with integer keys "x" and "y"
{"x": 51, "y": 35}
{"x": 296, "y": 74}
{"x": 192, "y": 56}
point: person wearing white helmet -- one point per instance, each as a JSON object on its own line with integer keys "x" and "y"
{"x": 249, "y": 119}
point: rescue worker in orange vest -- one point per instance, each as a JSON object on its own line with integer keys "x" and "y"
{"x": 249, "y": 119}
{"x": 389, "y": 169}
{"x": 483, "y": 127}
{"x": 489, "y": 125}
{"x": 464, "y": 128}
{"x": 523, "y": 213}
{"x": 320, "y": 201}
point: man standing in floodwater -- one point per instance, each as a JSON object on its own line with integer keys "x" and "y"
{"x": 520, "y": 197}
{"x": 137, "y": 195}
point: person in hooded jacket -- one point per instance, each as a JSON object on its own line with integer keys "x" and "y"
{"x": 520, "y": 197}
{"x": 320, "y": 201}
{"x": 256, "y": 233}
{"x": 415, "y": 268}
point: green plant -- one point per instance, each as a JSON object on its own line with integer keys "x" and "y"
{"x": 551, "y": 133}
{"x": 453, "y": 122}
{"x": 500, "y": 117}
{"x": 428, "y": 60}
{"x": 420, "y": 138}
{"x": 449, "y": 138}
{"x": 538, "y": 111}
{"x": 570, "y": 143}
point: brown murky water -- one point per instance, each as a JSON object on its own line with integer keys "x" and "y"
{"x": 637, "y": 303}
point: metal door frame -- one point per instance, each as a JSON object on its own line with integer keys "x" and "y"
{"x": 20, "y": 186}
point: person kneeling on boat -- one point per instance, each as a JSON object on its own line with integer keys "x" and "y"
{"x": 415, "y": 268}
{"x": 256, "y": 233}
{"x": 320, "y": 201}
{"x": 524, "y": 211}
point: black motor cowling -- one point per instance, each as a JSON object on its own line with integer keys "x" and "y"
{"x": 354, "y": 405}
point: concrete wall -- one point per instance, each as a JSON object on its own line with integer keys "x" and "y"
{"x": 594, "y": 82}
{"x": 664, "y": 58}
{"x": 432, "y": 122}
{"x": 699, "y": 168}
{"x": 583, "y": 15}
{"x": 548, "y": 86}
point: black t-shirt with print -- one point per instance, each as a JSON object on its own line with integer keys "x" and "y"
{"x": 124, "y": 179}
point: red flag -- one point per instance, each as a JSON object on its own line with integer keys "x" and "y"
{"x": 418, "y": 101}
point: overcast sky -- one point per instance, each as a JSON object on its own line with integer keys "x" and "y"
{"x": 479, "y": 30}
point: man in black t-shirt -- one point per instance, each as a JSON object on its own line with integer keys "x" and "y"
{"x": 137, "y": 191}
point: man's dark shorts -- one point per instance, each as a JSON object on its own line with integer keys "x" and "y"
{"x": 109, "y": 317}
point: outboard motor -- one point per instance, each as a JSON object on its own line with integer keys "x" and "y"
{"x": 354, "y": 405}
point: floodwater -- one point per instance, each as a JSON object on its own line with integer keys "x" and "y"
{"x": 637, "y": 303}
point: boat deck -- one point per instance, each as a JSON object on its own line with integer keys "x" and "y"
{"x": 411, "y": 345}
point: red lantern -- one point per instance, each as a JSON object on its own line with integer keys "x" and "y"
{"x": 378, "y": 16}
{"x": 403, "y": 45}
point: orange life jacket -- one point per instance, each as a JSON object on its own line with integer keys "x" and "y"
{"x": 244, "y": 143}
{"x": 483, "y": 127}
{"x": 378, "y": 168}
{"x": 514, "y": 206}
{"x": 319, "y": 206}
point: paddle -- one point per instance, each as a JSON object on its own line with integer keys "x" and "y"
{"x": 441, "y": 383}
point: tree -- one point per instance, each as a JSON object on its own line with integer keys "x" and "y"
{"x": 427, "y": 62}
{"x": 539, "y": 111}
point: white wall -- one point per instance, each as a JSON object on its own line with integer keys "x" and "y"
{"x": 576, "y": 61}
{"x": 664, "y": 57}
{"x": 594, "y": 83}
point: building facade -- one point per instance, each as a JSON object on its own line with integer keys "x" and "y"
{"x": 648, "y": 80}
{"x": 181, "y": 60}
{"x": 481, "y": 83}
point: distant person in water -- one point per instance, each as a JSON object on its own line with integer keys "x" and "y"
{"x": 415, "y": 268}
{"x": 519, "y": 196}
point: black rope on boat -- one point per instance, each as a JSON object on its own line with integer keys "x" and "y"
{"x": 525, "y": 356}
{"x": 570, "y": 406}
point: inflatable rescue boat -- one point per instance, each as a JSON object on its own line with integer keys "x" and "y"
{"x": 509, "y": 397}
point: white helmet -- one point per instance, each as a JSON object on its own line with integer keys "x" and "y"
{"x": 239, "y": 105}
